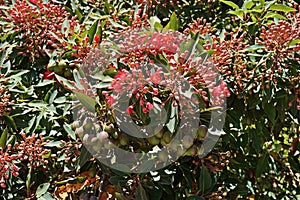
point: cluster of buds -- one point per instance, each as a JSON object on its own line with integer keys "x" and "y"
{"x": 278, "y": 42}
{"x": 31, "y": 150}
{"x": 5, "y": 101}
{"x": 40, "y": 27}
{"x": 229, "y": 58}
{"x": 70, "y": 150}
{"x": 140, "y": 47}
{"x": 200, "y": 25}
{"x": 7, "y": 166}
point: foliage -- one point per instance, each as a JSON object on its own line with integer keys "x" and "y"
{"x": 254, "y": 44}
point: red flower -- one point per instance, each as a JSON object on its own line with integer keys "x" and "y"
{"x": 97, "y": 38}
{"x": 33, "y": 1}
{"x": 48, "y": 75}
{"x": 149, "y": 106}
{"x": 129, "y": 110}
{"x": 110, "y": 100}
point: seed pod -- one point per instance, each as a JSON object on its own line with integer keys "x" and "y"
{"x": 154, "y": 140}
{"x": 202, "y": 132}
{"x": 79, "y": 131}
{"x": 187, "y": 141}
{"x": 123, "y": 140}
{"x": 163, "y": 156}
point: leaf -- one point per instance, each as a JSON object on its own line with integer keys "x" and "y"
{"x": 93, "y": 31}
{"x": 238, "y": 13}
{"x": 230, "y": 3}
{"x": 273, "y": 15}
{"x": 85, "y": 155}
{"x": 294, "y": 42}
{"x": 44, "y": 83}
{"x": 88, "y": 102}
{"x": 281, "y": 8}
{"x": 46, "y": 196}
{"x": 3, "y": 138}
{"x": 205, "y": 180}
{"x": 65, "y": 82}
{"x": 173, "y": 23}
{"x": 141, "y": 193}
{"x": 253, "y": 48}
{"x": 262, "y": 164}
{"x": 270, "y": 110}
{"x": 69, "y": 131}
{"x": 42, "y": 189}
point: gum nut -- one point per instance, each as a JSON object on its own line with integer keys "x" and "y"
{"x": 62, "y": 64}
{"x": 88, "y": 125}
{"x": 75, "y": 125}
{"x": 154, "y": 140}
{"x": 191, "y": 151}
{"x": 187, "y": 141}
{"x": 174, "y": 145}
{"x": 68, "y": 73}
{"x": 85, "y": 138}
{"x": 115, "y": 135}
{"x": 163, "y": 156}
{"x": 109, "y": 128}
{"x": 79, "y": 131}
{"x": 102, "y": 135}
{"x": 123, "y": 140}
{"x": 58, "y": 70}
{"x": 202, "y": 132}
{"x": 159, "y": 134}
{"x": 167, "y": 137}
{"x": 180, "y": 150}
{"x": 163, "y": 142}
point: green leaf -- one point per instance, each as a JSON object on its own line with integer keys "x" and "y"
{"x": 270, "y": 110}
{"x": 262, "y": 164}
{"x": 294, "y": 42}
{"x": 46, "y": 196}
{"x": 281, "y": 8}
{"x": 78, "y": 13}
{"x": 69, "y": 131}
{"x": 253, "y": 48}
{"x": 86, "y": 101}
{"x": 93, "y": 31}
{"x": 65, "y": 82}
{"x": 42, "y": 189}
{"x": 85, "y": 155}
{"x": 10, "y": 122}
{"x": 273, "y": 15}
{"x": 238, "y": 13}
{"x": 141, "y": 193}
{"x": 3, "y": 138}
{"x": 44, "y": 83}
{"x": 230, "y": 3}
{"x": 173, "y": 23}
{"x": 205, "y": 181}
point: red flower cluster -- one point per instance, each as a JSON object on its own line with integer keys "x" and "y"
{"x": 31, "y": 150}
{"x": 144, "y": 77}
{"x": 5, "y": 101}
{"x": 7, "y": 167}
{"x": 40, "y": 27}
{"x": 229, "y": 58}
{"x": 200, "y": 25}
{"x": 277, "y": 38}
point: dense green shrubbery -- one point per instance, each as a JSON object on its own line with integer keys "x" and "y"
{"x": 255, "y": 46}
